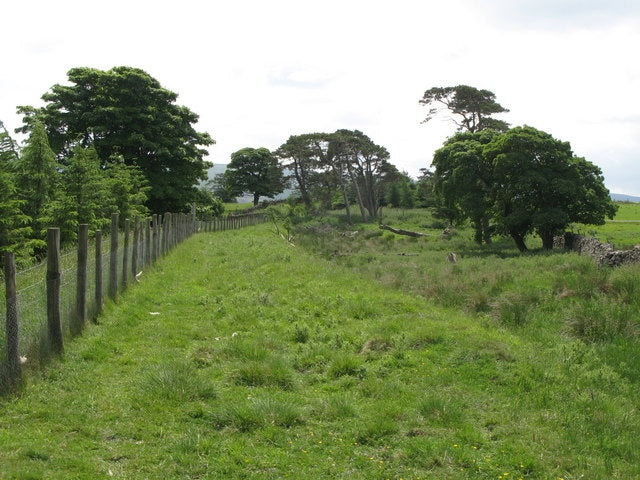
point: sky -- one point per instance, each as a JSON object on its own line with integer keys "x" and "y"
{"x": 258, "y": 71}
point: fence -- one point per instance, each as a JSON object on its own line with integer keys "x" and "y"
{"x": 51, "y": 302}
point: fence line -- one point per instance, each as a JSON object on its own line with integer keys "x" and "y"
{"x": 66, "y": 290}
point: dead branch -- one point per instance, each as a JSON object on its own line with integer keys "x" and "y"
{"x": 399, "y": 231}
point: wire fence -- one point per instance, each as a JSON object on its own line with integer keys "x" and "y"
{"x": 48, "y": 304}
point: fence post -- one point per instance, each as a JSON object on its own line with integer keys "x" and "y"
{"x": 77, "y": 322}
{"x": 125, "y": 252}
{"x": 54, "y": 325}
{"x": 134, "y": 252}
{"x": 147, "y": 241}
{"x": 113, "y": 258}
{"x": 98, "y": 272}
{"x": 166, "y": 230}
{"x": 11, "y": 300}
{"x": 154, "y": 238}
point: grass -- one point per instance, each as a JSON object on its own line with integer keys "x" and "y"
{"x": 623, "y": 231}
{"x": 268, "y": 361}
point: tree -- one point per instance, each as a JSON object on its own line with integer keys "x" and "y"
{"x": 127, "y": 189}
{"x": 474, "y": 108}
{"x": 124, "y": 111}
{"x": 255, "y": 171}
{"x": 463, "y": 180}
{"x": 425, "y": 188}
{"x": 13, "y": 223}
{"x": 297, "y": 155}
{"x": 37, "y": 178}
{"x": 219, "y": 187}
{"x": 541, "y": 187}
{"x": 364, "y": 162}
{"x": 208, "y": 206}
{"x": 84, "y": 196}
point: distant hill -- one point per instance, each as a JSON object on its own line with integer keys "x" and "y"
{"x": 621, "y": 197}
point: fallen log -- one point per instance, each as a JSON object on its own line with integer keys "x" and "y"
{"x": 399, "y": 231}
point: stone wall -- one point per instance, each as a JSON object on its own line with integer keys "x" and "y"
{"x": 602, "y": 253}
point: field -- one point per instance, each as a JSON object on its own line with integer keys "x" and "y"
{"x": 623, "y": 231}
{"x": 351, "y": 355}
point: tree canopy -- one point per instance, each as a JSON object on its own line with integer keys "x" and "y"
{"x": 255, "y": 171}
{"x": 473, "y": 108}
{"x": 124, "y": 111}
{"x": 346, "y": 163}
{"x": 522, "y": 181}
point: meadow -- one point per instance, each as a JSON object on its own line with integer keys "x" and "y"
{"x": 354, "y": 354}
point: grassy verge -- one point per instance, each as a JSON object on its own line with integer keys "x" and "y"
{"x": 239, "y": 356}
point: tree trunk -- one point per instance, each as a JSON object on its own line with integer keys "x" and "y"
{"x": 299, "y": 173}
{"x": 547, "y": 240}
{"x": 256, "y": 199}
{"x": 519, "y": 239}
{"x": 486, "y": 232}
{"x": 354, "y": 181}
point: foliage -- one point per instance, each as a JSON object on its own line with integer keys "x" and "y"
{"x": 476, "y": 107}
{"x": 346, "y": 163}
{"x": 255, "y": 171}
{"x": 517, "y": 183}
{"x": 13, "y": 223}
{"x": 127, "y": 189}
{"x": 37, "y": 181}
{"x": 539, "y": 185}
{"x": 84, "y": 197}
{"x": 219, "y": 186}
{"x": 208, "y": 206}
{"x": 124, "y": 111}
{"x": 463, "y": 180}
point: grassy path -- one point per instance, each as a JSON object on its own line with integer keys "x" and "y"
{"x": 241, "y": 357}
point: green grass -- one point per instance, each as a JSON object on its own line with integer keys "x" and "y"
{"x": 326, "y": 361}
{"x": 623, "y": 231}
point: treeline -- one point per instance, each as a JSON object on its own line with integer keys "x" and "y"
{"x": 344, "y": 169}
{"x": 111, "y": 141}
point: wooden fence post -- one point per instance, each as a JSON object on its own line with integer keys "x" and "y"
{"x": 11, "y": 300}
{"x": 77, "y": 322}
{"x": 147, "y": 241}
{"x": 135, "y": 249}
{"x": 54, "y": 325}
{"x": 154, "y": 239}
{"x": 113, "y": 258}
{"x": 98, "y": 272}
{"x": 125, "y": 252}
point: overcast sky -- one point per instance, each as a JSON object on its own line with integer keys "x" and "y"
{"x": 258, "y": 71}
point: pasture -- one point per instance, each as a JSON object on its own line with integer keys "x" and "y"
{"x": 365, "y": 355}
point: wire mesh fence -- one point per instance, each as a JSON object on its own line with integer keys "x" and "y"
{"x": 27, "y": 308}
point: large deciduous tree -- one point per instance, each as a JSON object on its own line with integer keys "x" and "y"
{"x": 463, "y": 180}
{"x": 255, "y": 171}
{"x": 540, "y": 186}
{"x": 473, "y": 109}
{"x": 124, "y": 111}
